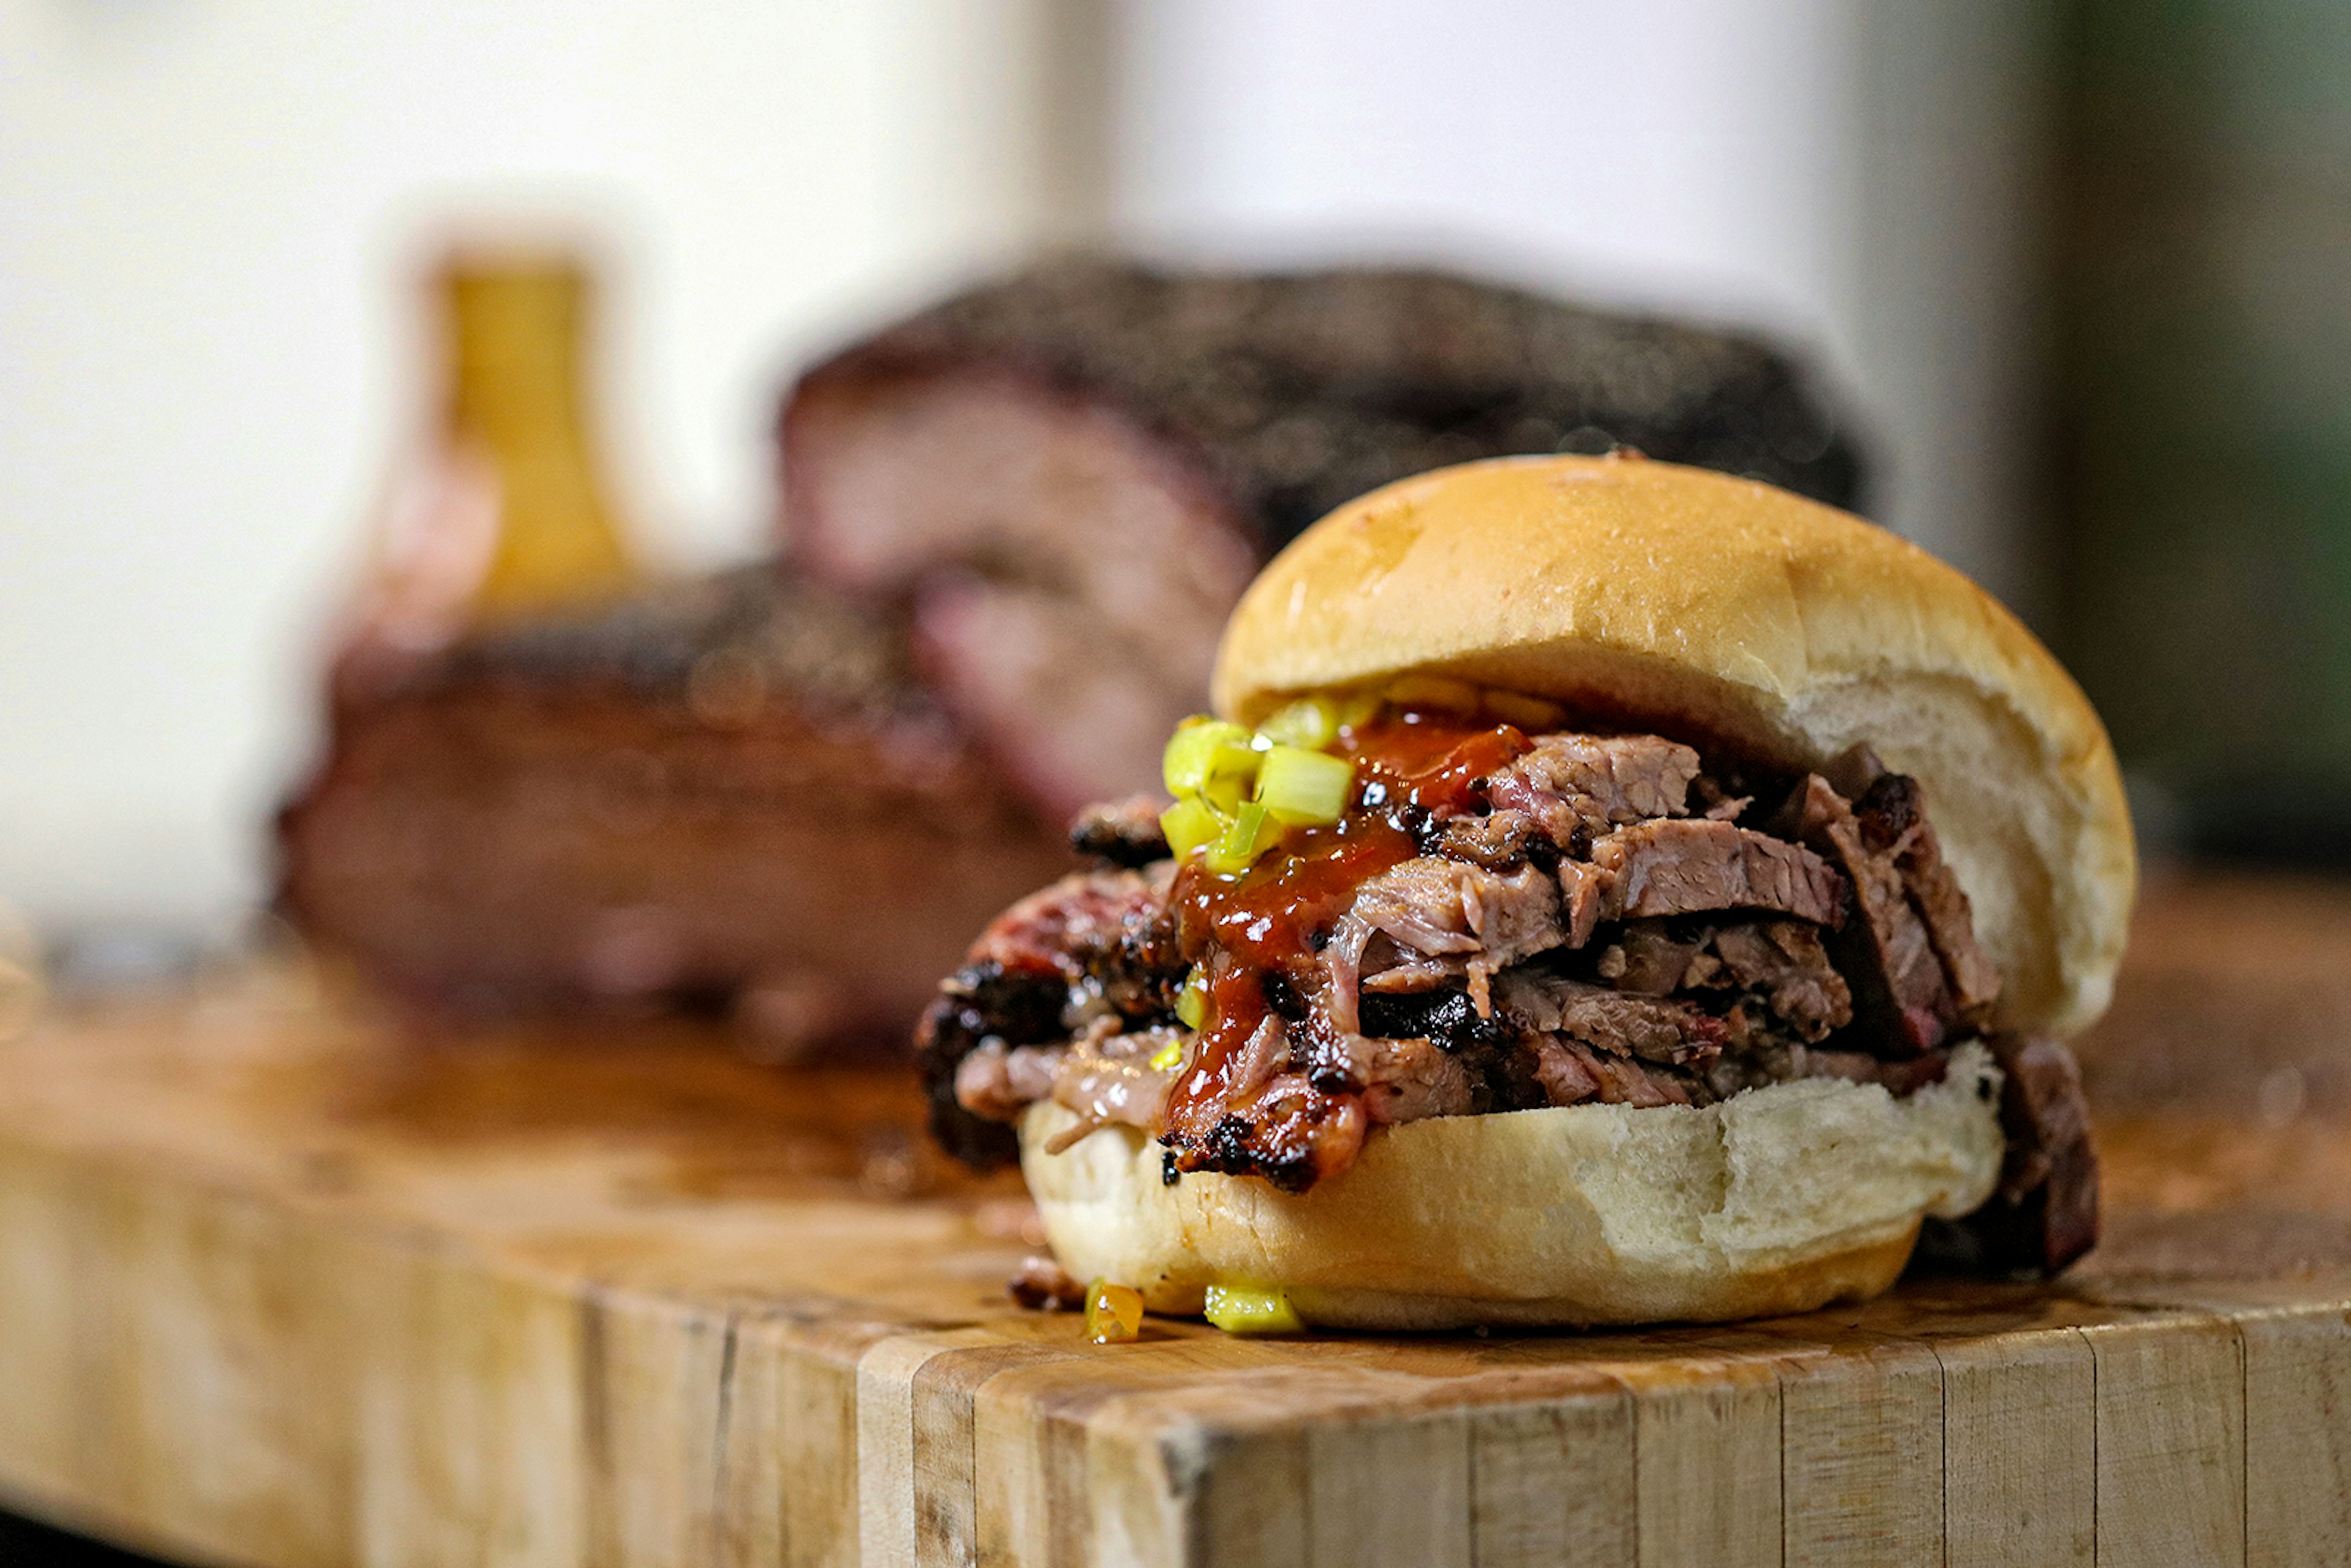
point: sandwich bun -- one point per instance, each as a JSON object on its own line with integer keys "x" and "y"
{"x": 1734, "y": 615}
{"x": 1752, "y": 623}
{"x": 1777, "y": 1200}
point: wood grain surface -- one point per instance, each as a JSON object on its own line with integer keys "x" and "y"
{"x": 284, "y": 1283}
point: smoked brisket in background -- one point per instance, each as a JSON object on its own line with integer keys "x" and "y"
{"x": 1069, "y": 476}
{"x": 729, "y": 792}
{"x": 1014, "y": 525}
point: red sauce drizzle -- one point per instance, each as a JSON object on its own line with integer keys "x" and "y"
{"x": 1433, "y": 760}
{"x": 1268, "y": 920}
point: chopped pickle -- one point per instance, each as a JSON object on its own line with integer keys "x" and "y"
{"x": 1113, "y": 1312}
{"x": 1202, "y": 750}
{"x": 1359, "y": 709}
{"x": 1434, "y": 691}
{"x": 1309, "y": 721}
{"x": 1226, "y": 792}
{"x": 1253, "y": 1308}
{"x": 1189, "y": 824}
{"x": 1250, "y": 833}
{"x": 1192, "y": 1001}
{"x": 1172, "y": 1053}
{"x": 1304, "y": 789}
{"x": 1530, "y": 713}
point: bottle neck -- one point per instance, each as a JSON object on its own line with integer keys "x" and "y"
{"x": 516, "y": 408}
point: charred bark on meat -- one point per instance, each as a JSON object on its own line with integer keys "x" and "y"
{"x": 1069, "y": 476}
{"x": 1297, "y": 392}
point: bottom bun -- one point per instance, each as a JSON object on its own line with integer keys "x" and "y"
{"x": 1777, "y": 1200}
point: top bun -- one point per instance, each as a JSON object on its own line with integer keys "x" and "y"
{"x": 1740, "y": 618}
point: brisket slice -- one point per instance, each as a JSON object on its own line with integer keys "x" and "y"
{"x": 1093, "y": 946}
{"x": 1787, "y": 964}
{"x": 1083, "y": 927}
{"x": 1900, "y": 993}
{"x": 1404, "y": 1079}
{"x": 1445, "y": 920}
{"x": 1892, "y": 821}
{"x": 1684, "y": 866}
{"x": 1656, "y": 1028}
{"x": 2044, "y": 1214}
{"x": 982, "y": 1007}
{"x": 1070, "y": 475}
{"x": 1576, "y": 787}
{"x": 1108, "y": 1078}
{"x": 1571, "y": 1072}
{"x": 727, "y": 792}
{"x": 1781, "y": 962}
{"x": 998, "y": 1082}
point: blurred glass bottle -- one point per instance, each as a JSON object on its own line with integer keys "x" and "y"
{"x": 503, "y": 511}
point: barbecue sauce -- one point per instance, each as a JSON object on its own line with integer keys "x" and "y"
{"x": 1261, "y": 933}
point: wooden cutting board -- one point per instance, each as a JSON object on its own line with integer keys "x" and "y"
{"x": 280, "y": 1284}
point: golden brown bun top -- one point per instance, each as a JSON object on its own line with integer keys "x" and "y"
{"x": 1736, "y": 615}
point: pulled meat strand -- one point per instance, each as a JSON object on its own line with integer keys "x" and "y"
{"x": 1108, "y": 1079}
{"x": 998, "y": 1082}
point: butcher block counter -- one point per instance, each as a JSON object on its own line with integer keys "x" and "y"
{"x": 285, "y": 1283}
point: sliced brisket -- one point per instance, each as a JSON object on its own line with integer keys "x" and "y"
{"x": 1912, "y": 957}
{"x": 1571, "y": 1072}
{"x": 1900, "y": 995}
{"x": 1781, "y": 963}
{"x": 1894, "y": 824}
{"x": 1444, "y": 921}
{"x": 1786, "y": 964}
{"x": 1685, "y": 866}
{"x": 1073, "y": 928}
{"x": 1576, "y": 787}
{"x": 998, "y": 1082}
{"x": 1400, "y": 1079}
{"x": 1070, "y": 474}
{"x": 1569, "y": 934}
{"x": 1107, "y": 1077}
{"x": 712, "y": 793}
{"x": 2044, "y": 1214}
{"x": 983, "y": 1008}
{"x": 1656, "y": 1027}
{"x": 1096, "y": 943}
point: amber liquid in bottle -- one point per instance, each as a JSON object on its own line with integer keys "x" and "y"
{"x": 505, "y": 514}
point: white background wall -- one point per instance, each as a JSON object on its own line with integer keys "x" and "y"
{"x": 209, "y": 211}
{"x": 1854, "y": 176}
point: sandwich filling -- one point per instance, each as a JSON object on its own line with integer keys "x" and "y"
{"x": 1485, "y": 916}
